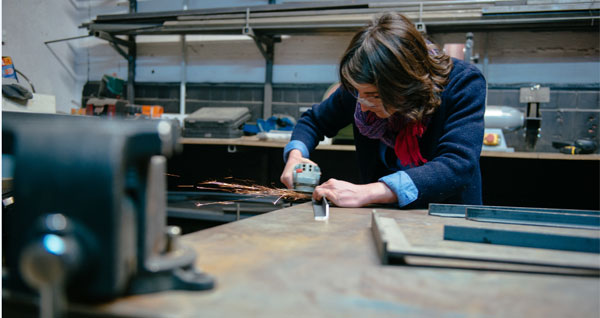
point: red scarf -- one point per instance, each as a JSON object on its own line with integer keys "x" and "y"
{"x": 407, "y": 145}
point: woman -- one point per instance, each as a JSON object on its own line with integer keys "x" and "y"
{"x": 417, "y": 116}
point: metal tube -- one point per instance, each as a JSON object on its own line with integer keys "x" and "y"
{"x": 183, "y": 83}
{"x": 503, "y": 117}
{"x": 131, "y": 52}
{"x": 131, "y": 57}
{"x": 268, "y": 91}
{"x": 68, "y": 39}
{"x": 428, "y": 3}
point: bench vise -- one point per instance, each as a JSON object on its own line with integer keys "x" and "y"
{"x": 89, "y": 215}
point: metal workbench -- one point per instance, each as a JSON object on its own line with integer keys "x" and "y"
{"x": 286, "y": 264}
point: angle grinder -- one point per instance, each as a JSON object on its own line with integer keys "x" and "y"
{"x": 306, "y": 177}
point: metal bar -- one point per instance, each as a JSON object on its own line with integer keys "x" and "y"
{"x": 392, "y": 4}
{"x": 278, "y": 8}
{"x": 259, "y": 46}
{"x": 312, "y": 13}
{"x": 478, "y": 257}
{"x": 261, "y": 8}
{"x": 178, "y": 196}
{"x": 268, "y": 90}
{"x": 460, "y": 210}
{"x": 120, "y": 27}
{"x": 393, "y": 247}
{"x": 491, "y": 23}
{"x": 119, "y": 50}
{"x": 339, "y": 26}
{"x": 537, "y": 218}
{"x": 110, "y": 38}
{"x": 522, "y": 239}
{"x": 183, "y": 83}
{"x": 541, "y": 8}
{"x": 131, "y": 57}
{"x": 268, "y": 54}
{"x": 62, "y": 63}
{"x": 247, "y": 30}
{"x": 250, "y": 208}
{"x": 197, "y": 214}
{"x": 68, "y": 39}
{"x": 502, "y": 21}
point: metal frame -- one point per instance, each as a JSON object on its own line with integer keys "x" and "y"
{"x": 268, "y": 52}
{"x": 394, "y": 249}
{"x": 446, "y": 16}
{"x": 130, "y": 55}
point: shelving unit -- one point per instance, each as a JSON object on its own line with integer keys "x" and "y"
{"x": 253, "y": 141}
{"x": 266, "y": 23}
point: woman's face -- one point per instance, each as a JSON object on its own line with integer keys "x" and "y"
{"x": 368, "y": 98}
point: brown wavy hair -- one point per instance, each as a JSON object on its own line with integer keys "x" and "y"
{"x": 392, "y": 55}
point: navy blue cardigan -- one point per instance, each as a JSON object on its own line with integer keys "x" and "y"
{"x": 451, "y": 144}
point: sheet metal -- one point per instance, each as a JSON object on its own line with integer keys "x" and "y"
{"x": 459, "y": 210}
{"x": 522, "y": 239}
{"x": 394, "y": 248}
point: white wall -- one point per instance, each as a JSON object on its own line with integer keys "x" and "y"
{"x": 26, "y": 25}
{"x": 561, "y": 57}
{"x": 298, "y": 59}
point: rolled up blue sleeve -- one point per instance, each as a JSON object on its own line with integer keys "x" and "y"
{"x": 295, "y": 144}
{"x": 402, "y": 185}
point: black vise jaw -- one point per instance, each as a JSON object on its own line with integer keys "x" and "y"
{"x": 89, "y": 212}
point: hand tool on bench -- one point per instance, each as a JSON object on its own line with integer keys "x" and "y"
{"x": 306, "y": 177}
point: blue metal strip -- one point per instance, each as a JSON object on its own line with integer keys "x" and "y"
{"x": 522, "y": 239}
{"x": 536, "y": 218}
{"x": 460, "y": 210}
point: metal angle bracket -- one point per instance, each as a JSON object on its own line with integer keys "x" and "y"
{"x": 388, "y": 237}
{"x": 321, "y": 209}
{"x": 114, "y": 42}
{"x": 268, "y": 42}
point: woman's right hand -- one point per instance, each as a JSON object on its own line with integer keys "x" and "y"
{"x": 294, "y": 158}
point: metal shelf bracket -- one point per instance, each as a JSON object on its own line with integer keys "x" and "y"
{"x": 114, "y": 42}
{"x": 266, "y": 46}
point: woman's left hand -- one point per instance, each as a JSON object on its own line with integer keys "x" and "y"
{"x": 346, "y": 194}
